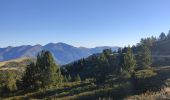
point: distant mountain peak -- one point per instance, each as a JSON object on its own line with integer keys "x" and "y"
{"x": 62, "y": 52}
{"x": 61, "y": 43}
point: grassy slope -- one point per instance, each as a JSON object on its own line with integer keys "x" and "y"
{"x": 163, "y": 79}
{"x": 112, "y": 88}
{"x": 19, "y": 60}
{"x": 14, "y": 60}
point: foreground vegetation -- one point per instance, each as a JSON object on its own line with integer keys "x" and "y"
{"x": 88, "y": 89}
{"x": 109, "y": 75}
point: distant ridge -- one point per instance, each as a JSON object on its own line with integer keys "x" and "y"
{"x": 62, "y": 52}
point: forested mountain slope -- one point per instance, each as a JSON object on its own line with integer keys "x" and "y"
{"x": 161, "y": 48}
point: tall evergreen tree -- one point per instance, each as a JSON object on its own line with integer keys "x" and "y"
{"x": 107, "y": 52}
{"x": 77, "y": 78}
{"x": 44, "y": 74}
{"x": 65, "y": 79}
{"x": 162, "y": 36}
{"x": 168, "y": 35}
{"x": 30, "y": 79}
{"x": 144, "y": 57}
{"x": 119, "y": 51}
{"x": 149, "y": 41}
{"x": 129, "y": 62}
{"x": 49, "y": 72}
{"x": 69, "y": 78}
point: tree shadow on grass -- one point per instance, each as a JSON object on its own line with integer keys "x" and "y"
{"x": 57, "y": 93}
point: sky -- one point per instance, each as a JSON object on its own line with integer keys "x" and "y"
{"x": 86, "y": 23}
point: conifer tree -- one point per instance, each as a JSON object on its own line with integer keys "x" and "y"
{"x": 69, "y": 78}
{"x": 30, "y": 77}
{"x": 162, "y": 36}
{"x": 44, "y": 74}
{"x": 129, "y": 62}
{"x": 65, "y": 79}
{"x": 168, "y": 35}
{"x": 77, "y": 78}
{"x": 144, "y": 57}
{"x": 49, "y": 72}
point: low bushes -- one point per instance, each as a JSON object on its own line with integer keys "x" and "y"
{"x": 144, "y": 80}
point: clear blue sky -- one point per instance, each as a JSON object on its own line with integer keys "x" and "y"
{"x": 86, "y": 23}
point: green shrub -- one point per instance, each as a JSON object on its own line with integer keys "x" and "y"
{"x": 8, "y": 81}
{"x": 146, "y": 73}
{"x": 125, "y": 74}
{"x": 143, "y": 80}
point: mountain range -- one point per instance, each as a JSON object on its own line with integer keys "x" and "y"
{"x": 63, "y": 53}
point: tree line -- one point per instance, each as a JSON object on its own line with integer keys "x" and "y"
{"x": 45, "y": 73}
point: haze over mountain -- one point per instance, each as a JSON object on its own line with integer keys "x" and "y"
{"x": 63, "y": 53}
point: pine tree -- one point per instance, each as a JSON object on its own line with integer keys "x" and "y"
{"x": 77, "y": 78}
{"x": 168, "y": 36}
{"x": 107, "y": 52}
{"x": 144, "y": 57}
{"x": 119, "y": 51}
{"x": 149, "y": 41}
{"x": 102, "y": 67}
{"x": 44, "y": 74}
{"x": 30, "y": 77}
{"x": 65, "y": 79}
{"x": 49, "y": 71}
{"x": 69, "y": 78}
{"x": 129, "y": 62}
{"x": 162, "y": 36}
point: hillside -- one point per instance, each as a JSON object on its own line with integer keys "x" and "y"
{"x": 124, "y": 74}
{"x": 113, "y": 88}
{"x": 17, "y": 64}
{"x": 63, "y": 53}
{"x": 14, "y": 60}
{"x": 161, "y": 47}
{"x": 128, "y": 73}
{"x": 161, "y": 52}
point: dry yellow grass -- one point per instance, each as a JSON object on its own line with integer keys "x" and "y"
{"x": 14, "y": 60}
{"x": 163, "y": 94}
